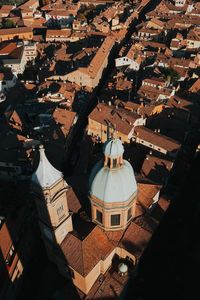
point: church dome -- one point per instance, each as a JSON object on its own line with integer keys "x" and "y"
{"x": 45, "y": 175}
{"x": 111, "y": 181}
{"x": 113, "y": 148}
{"x": 123, "y": 268}
{"x": 113, "y": 185}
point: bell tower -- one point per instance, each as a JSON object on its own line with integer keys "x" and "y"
{"x": 49, "y": 189}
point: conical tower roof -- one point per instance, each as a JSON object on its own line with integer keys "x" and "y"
{"x": 45, "y": 175}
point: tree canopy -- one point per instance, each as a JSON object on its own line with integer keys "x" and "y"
{"x": 8, "y": 23}
{"x": 170, "y": 74}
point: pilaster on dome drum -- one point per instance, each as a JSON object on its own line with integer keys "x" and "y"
{"x": 46, "y": 175}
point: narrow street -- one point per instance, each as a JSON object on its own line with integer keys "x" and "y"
{"x": 82, "y": 120}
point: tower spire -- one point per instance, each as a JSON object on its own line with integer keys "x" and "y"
{"x": 45, "y": 175}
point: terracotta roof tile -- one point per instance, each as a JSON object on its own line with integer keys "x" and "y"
{"x": 6, "y": 49}
{"x": 7, "y": 7}
{"x": 14, "y": 117}
{"x": 114, "y": 236}
{"x": 5, "y": 240}
{"x": 65, "y": 118}
{"x": 58, "y": 33}
{"x": 82, "y": 256}
{"x": 195, "y": 88}
{"x": 135, "y": 239}
{"x": 73, "y": 202}
{"x": 178, "y": 102}
{"x": 159, "y": 210}
{"x": 154, "y": 44}
{"x": 156, "y": 169}
{"x": 157, "y": 139}
{"x": 146, "y": 193}
{"x": 101, "y": 54}
{"x": 120, "y": 118}
{"x": 15, "y": 30}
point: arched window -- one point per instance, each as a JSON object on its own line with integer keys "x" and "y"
{"x": 109, "y": 163}
{"x": 114, "y": 163}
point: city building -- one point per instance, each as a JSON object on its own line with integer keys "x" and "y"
{"x": 115, "y": 197}
{"x": 100, "y": 112}
{"x": 24, "y": 33}
{"x": 58, "y": 18}
{"x": 90, "y": 76}
{"x": 7, "y": 80}
{"x": 14, "y": 58}
{"x": 105, "y": 120}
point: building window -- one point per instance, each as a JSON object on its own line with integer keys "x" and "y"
{"x": 114, "y": 163}
{"x": 60, "y": 211}
{"x": 129, "y": 215}
{"x": 115, "y": 220}
{"x": 108, "y": 163}
{"x": 99, "y": 216}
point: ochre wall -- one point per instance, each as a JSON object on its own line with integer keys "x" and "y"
{"x": 101, "y": 130}
{"x": 24, "y": 36}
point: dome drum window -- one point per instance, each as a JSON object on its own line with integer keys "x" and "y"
{"x": 115, "y": 220}
{"x": 99, "y": 216}
{"x": 113, "y": 163}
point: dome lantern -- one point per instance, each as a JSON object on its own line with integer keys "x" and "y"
{"x": 122, "y": 269}
{"x": 113, "y": 151}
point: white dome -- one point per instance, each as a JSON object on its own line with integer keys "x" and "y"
{"x": 45, "y": 175}
{"x": 113, "y": 185}
{"x": 113, "y": 148}
{"x": 122, "y": 268}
